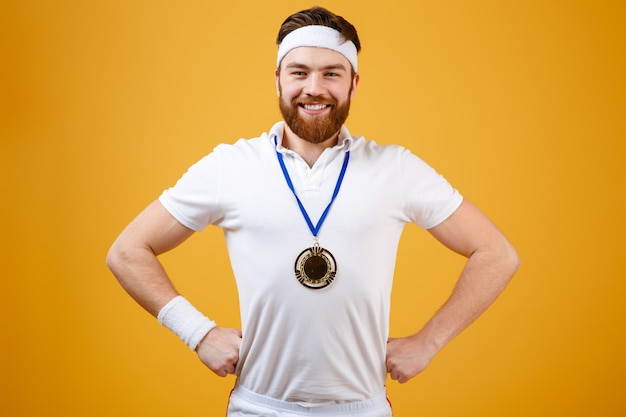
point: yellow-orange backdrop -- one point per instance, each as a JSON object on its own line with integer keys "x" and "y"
{"x": 521, "y": 104}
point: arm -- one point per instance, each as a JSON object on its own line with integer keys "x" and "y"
{"x": 133, "y": 261}
{"x": 491, "y": 263}
{"x": 133, "y": 256}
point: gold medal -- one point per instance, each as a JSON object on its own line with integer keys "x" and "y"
{"x": 315, "y": 267}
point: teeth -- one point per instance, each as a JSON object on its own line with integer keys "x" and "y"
{"x": 315, "y": 106}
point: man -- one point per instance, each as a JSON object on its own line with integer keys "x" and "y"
{"x": 312, "y": 219}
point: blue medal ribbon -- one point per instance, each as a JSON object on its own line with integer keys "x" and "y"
{"x": 314, "y": 229}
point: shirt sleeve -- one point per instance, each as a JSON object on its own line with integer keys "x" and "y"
{"x": 194, "y": 199}
{"x": 429, "y": 198}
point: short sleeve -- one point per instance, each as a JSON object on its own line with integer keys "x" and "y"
{"x": 194, "y": 199}
{"x": 429, "y": 198}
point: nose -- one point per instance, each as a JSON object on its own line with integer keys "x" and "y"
{"x": 314, "y": 85}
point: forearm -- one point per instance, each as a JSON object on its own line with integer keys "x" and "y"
{"x": 482, "y": 280}
{"x": 141, "y": 274}
{"x": 143, "y": 277}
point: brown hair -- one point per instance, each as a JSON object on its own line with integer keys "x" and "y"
{"x": 322, "y": 17}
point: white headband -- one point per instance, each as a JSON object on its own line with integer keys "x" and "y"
{"x": 320, "y": 37}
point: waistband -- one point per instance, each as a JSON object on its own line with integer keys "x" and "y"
{"x": 376, "y": 402}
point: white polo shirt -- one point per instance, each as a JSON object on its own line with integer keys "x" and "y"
{"x": 301, "y": 344}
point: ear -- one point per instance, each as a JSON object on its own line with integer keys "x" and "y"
{"x": 355, "y": 83}
{"x": 277, "y": 80}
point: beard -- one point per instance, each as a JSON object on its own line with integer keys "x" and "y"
{"x": 314, "y": 129}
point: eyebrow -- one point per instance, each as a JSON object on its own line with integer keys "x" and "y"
{"x": 325, "y": 68}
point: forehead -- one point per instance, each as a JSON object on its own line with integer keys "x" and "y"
{"x": 314, "y": 57}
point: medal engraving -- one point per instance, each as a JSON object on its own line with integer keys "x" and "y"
{"x": 315, "y": 267}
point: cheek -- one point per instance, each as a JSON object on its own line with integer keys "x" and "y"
{"x": 286, "y": 91}
{"x": 289, "y": 91}
{"x": 341, "y": 91}
{"x": 342, "y": 94}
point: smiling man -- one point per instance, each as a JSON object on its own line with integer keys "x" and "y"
{"x": 315, "y": 87}
{"x": 312, "y": 218}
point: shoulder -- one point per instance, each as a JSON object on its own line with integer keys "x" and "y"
{"x": 244, "y": 144}
{"x": 260, "y": 145}
{"x": 243, "y": 150}
{"x": 372, "y": 152}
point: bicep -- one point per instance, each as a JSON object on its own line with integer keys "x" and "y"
{"x": 468, "y": 230}
{"x": 156, "y": 229}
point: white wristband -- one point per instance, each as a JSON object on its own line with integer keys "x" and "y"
{"x": 185, "y": 321}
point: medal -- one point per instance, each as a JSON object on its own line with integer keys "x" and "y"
{"x": 315, "y": 267}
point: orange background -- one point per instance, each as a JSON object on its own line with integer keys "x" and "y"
{"x": 520, "y": 104}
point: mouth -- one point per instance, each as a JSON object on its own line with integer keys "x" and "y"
{"x": 314, "y": 108}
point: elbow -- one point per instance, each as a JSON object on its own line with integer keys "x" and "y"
{"x": 119, "y": 260}
{"x": 113, "y": 258}
{"x": 512, "y": 260}
{"x": 117, "y": 257}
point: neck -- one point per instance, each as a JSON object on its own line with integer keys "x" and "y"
{"x": 309, "y": 151}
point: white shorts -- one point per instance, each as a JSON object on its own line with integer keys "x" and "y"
{"x": 245, "y": 403}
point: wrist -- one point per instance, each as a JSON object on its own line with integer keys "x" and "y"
{"x": 184, "y": 320}
{"x": 429, "y": 347}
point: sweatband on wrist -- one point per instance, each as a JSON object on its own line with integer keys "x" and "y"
{"x": 320, "y": 37}
{"x": 185, "y": 321}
